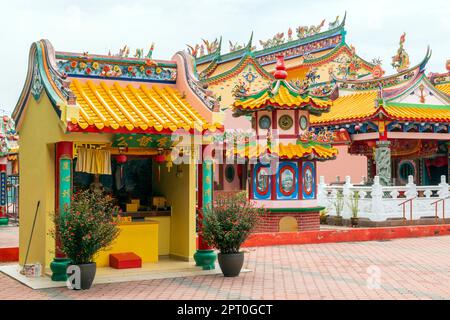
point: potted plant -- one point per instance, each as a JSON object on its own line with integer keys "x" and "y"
{"x": 87, "y": 226}
{"x": 323, "y": 216}
{"x": 339, "y": 206}
{"x": 354, "y": 206}
{"x": 226, "y": 225}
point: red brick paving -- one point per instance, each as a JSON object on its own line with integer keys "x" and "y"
{"x": 9, "y": 237}
{"x": 415, "y": 268}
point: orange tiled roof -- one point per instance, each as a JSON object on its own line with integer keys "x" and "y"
{"x": 124, "y": 106}
{"x": 282, "y": 96}
{"x": 350, "y": 107}
{"x": 361, "y": 105}
{"x": 445, "y": 88}
{"x": 403, "y": 111}
{"x": 288, "y": 151}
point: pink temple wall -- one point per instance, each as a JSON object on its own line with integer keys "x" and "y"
{"x": 345, "y": 164}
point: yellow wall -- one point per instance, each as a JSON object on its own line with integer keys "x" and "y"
{"x": 180, "y": 193}
{"x": 163, "y": 234}
{"x": 38, "y": 135}
{"x": 138, "y": 237}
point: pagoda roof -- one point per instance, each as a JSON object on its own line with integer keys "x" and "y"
{"x": 298, "y": 150}
{"x": 98, "y": 93}
{"x": 394, "y": 104}
{"x": 247, "y": 59}
{"x": 282, "y": 95}
{"x": 386, "y": 81}
{"x": 441, "y": 81}
{"x": 220, "y": 58}
{"x": 332, "y": 54}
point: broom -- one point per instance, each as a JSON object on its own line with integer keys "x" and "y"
{"x": 31, "y": 236}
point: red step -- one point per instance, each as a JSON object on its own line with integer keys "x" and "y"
{"x": 9, "y": 254}
{"x": 125, "y": 260}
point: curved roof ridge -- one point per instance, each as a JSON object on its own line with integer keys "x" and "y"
{"x": 419, "y": 68}
{"x": 43, "y": 75}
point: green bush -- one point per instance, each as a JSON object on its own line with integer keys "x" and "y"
{"x": 228, "y": 223}
{"x": 87, "y": 226}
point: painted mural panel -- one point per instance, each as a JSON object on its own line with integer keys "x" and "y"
{"x": 287, "y": 186}
{"x": 262, "y": 184}
{"x": 308, "y": 180}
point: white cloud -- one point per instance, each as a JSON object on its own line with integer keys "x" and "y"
{"x": 373, "y": 27}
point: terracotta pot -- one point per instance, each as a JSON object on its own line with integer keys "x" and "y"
{"x": 338, "y": 220}
{"x": 231, "y": 263}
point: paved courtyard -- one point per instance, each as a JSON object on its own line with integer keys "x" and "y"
{"x": 416, "y": 268}
{"x": 9, "y": 236}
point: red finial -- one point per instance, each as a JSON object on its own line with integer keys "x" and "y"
{"x": 280, "y": 72}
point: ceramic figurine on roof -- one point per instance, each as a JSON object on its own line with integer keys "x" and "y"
{"x": 274, "y": 41}
{"x": 212, "y": 46}
{"x": 280, "y": 116}
{"x": 334, "y": 24}
{"x": 378, "y": 71}
{"x": 401, "y": 60}
{"x": 235, "y": 46}
{"x": 193, "y": 50}
{"x": 305, "y": 31}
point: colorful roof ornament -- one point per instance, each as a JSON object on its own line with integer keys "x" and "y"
{"x": 282, "y": 95}
{"x": 401, "y": 60}
{"x": 296, "y": 150}
{"x": 8, "y": 136}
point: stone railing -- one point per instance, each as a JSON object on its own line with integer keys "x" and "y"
{"x": 379, "y": 203}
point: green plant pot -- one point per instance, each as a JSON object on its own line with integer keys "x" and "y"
{"x": 338, "y": 220}
{"x": 59, "y": 269}
{"x": 4, "y": 221}
{"x": 354, "y": 221}
{"x": 231, "y": 263}
{"x": 205, "y": 259}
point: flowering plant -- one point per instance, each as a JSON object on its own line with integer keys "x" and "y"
{"x": 228, "y": 223}
{"x": 87, "y": 226}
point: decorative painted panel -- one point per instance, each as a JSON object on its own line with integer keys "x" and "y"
{"x": 287, "y": 184}
{"x": 207, "y": 182}
{"x": 3, "y": 188}
{"x": 143, "y": 141}
{"x": 308, "y": 180}
{"x": 150, "y": 71}
{"x": 262, "y": 182}
{"x": 65, "y": 183}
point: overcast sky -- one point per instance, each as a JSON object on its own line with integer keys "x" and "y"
{"x": 96, "y": 26}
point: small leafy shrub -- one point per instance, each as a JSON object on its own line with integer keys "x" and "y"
{"x": 229, "y": 221}
{"x": 87, "y": 226}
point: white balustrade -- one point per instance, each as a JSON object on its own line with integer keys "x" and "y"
{"x": 379, "y": 203}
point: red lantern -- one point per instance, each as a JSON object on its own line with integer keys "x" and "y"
{"x": 160, "y": 158}
{"x": 121, "y": 158}
{"x": 342, "y": 130}
{"x": 357, "y": 128}
{"x": 5, "y": 118}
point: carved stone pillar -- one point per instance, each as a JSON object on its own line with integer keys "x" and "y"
{"x": 383, "y": 162}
